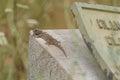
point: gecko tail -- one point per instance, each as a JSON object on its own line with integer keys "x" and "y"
{"x": 64, "y": 52}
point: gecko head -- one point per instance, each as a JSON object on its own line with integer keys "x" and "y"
{"x": 37, "y": 32}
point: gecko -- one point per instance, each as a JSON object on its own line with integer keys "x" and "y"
{"x": 48, "y": 38}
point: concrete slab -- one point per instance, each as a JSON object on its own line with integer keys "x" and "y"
{"x": 47, "y": 62}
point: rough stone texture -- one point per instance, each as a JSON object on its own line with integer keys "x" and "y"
{"x": 49, "y": 63}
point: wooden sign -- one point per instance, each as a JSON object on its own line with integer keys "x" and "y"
{"x": 100, "y": 28}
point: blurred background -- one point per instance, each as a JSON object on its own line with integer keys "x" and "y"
{"x": 18, "y": 17}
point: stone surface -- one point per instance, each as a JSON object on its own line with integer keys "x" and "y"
{"x": 47, "y": 62}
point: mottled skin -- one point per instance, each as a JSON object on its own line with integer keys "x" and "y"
{"x": 49, "y": 39}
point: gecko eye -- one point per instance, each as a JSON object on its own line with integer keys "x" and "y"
{"x": 37, "y": 32}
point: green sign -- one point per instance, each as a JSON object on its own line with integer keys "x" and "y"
{"x": 100, "y": 28}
